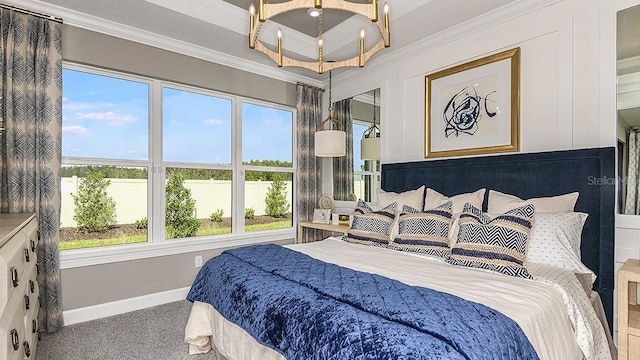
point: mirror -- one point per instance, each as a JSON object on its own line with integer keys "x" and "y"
{"x": 366, "y": 173}
{"x": 628, "y": 106}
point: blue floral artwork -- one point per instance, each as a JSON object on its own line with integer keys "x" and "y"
{"x": 465, "y": 109}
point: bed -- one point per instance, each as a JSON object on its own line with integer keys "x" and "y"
{"x": 387, "y": 298}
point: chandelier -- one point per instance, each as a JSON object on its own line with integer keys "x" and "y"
{"x": 267, "y": 11}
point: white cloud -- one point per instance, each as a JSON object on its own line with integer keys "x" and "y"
{"x": 76, "y": 130}
{"x": 213, "y": 122}
{"x": 79, "y": 106}
{"x": 110, "y": 117}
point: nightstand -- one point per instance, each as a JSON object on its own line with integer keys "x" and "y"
{"x": 343, "y": 229}
{"x": 629, "y": 311}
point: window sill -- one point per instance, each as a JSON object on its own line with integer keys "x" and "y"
{"x": 104, "y": 255}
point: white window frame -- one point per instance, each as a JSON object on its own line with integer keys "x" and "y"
{"x": 156, "y": 244}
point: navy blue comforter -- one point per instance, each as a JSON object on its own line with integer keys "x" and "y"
{"x": 308, "y": 309}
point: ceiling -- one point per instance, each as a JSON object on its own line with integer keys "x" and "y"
{"x": 219, "y": 28}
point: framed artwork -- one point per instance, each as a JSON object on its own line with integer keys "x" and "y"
{"x": 474, "y": 108}
{"x": 321, "y": 216}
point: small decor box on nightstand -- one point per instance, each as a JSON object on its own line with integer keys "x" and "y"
{"x": 629, "y": 311}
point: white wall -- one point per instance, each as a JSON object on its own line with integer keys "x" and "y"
{"x": 567, "y": 84}
{"x": 130, "y": 197}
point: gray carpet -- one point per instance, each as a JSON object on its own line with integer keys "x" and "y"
{"x": 155, "y": 333}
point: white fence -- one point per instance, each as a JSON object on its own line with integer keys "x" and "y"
{"x": 130, "y": 197}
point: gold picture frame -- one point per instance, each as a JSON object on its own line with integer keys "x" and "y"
{"x": 458, "y": 99}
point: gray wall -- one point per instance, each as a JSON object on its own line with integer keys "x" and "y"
{"x": 92, "y": 285}
{"x": 91, "y": 48}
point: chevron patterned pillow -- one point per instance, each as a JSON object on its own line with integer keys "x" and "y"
{"x": 373, "y": 227}
{"x": 424, "y": 232}
{"x": 362, "y": 207}
{"x": 499, "y": 244}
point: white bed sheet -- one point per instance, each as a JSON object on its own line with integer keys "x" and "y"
{"x": 546, "y": 312}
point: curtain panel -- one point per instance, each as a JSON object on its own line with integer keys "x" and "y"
{"x": 31, "y": 145}
{"x": 308, "y": 172}
{"x": 343, "y": 171}
{"x": 632, "y": 202}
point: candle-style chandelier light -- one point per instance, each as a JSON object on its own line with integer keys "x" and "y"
{"x": 267, "y": 11}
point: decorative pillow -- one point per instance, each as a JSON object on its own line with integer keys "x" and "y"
{"x": 362, "y": 207}
{"x": 555, "y": 241}
{"x": 373, "y": 228}
{"x": 424, "y": 232}
{"x": 499, "y": 202}
{"x": 434, "y": 199}
{"x": 412, "y": 198}
{"x": 499, "y": 244}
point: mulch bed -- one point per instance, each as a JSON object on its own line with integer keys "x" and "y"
{"x": 72, "y": 234}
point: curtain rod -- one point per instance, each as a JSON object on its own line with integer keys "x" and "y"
{"x": 309, "y": 86}
{"x": 31, "y": 12}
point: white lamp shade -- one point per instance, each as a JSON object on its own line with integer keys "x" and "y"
{"x": 370, "y": 148}
{"x": 330, "y": 143}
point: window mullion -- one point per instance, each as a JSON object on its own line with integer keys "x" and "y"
{"x": 156, "y": 173}
{"x": 238, "y": 188}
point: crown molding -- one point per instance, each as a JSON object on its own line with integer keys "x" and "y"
{"x": 111, "y": 28}
{"x": 629, "y": 62}
{"x": 233, "y": 18}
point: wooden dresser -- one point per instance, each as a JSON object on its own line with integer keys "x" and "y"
{"x": 19, "y": 303}
{"x": 629, "y": 311}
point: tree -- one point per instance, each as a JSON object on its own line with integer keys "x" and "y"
{"x": 179, "y": 219}
{"x": 94, "y": 210}
{"x": 276, "y": 199}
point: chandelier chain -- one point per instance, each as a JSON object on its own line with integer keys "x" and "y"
{"x": 330, "y": 102}
{"x": 374, "y": 106}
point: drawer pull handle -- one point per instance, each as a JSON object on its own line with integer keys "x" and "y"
{"x": 27, "y": 303}
{"x": 38, "y": 267}
{"x": 33, "y": 245}
{"x": 32, "y": 286}
{"x": 34, "y": 326}
{"x": 27, "y": 257}
{"x": 27, "y": 349}
{"x": 14, "y": 276}
{"x": 15, "y": 340}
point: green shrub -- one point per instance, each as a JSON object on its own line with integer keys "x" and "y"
{"x": 249, "y": 213}
{"x": 179, "y": 219}
{"x": 142, "y": 223}
{"x": 216, "y": 216}
{"x": 276, "y": 199}
{"x": 94, "y": 210}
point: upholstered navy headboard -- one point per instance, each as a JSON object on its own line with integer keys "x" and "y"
{"x": 588, "y": 171}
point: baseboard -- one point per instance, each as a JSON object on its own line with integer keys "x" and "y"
{"x": 93, "y": 312}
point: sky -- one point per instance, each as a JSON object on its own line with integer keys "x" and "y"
{"x": 106, "y": 117}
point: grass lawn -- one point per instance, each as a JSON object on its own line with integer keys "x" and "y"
{"x": 87, "y": 243}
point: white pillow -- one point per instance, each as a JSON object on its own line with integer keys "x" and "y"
{"x": 500, "y": 203}
{"x": 433, "y": 199}
{"x": 412, "y": 198}
{"x": 555, "y": 241}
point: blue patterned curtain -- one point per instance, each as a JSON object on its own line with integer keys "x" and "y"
{"x": 308, "y": 172}
{"x": 31, "y": 146}
{"x": 632, "y": 200}
{"x": 343, "y": 165}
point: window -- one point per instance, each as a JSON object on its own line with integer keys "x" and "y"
{"x": 149, "y": 161}
{"x": 196, "y": 138}
{"x": 366, "y": 172}
{"x": 267, "y": 158}
{"x": 105, "y": 156}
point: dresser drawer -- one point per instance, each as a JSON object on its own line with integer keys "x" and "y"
{"x": 13, "y": 261}
{"x": 13, "y": 333}
{"x": 17, "y": 253}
